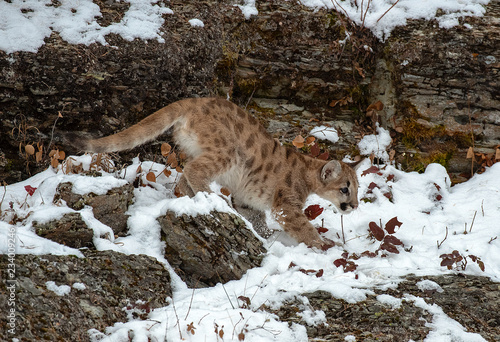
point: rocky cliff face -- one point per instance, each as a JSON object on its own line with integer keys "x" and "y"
{"x": 289, "y": 64}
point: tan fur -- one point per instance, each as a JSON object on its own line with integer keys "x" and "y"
{"x": 229, "y": 146}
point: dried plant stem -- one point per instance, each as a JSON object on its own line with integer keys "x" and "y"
{"x": 387, "y": 11}
{"x": 470, "y": 229}
{"x": 438, "y": 243}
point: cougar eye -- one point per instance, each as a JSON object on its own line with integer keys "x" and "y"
{"x": 344, "y": 190}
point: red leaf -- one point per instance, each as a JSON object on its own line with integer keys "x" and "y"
{"x": 389, "y": 247}
{"x": 319, "y": 273}
{"x": 29, "y": 189}
{"x": 447, "y": 262}
{"x": 377, "y": 232}
{"x": 392, "y": 224}
{"x": 315, "y": 150}
{"x": 322, "y": 230}
{"x": 390, "y": 177}
{"x": 369, "y": 254}
{"x": 373, "y": 185}
{"x": 340, "y": 262}
{"x": 313, "y": 211}
{"x": 324, "y": 156}
{"x": 439, "y": 198}
{"x": 372, "y": 169}
{"x": 393, "y": 240}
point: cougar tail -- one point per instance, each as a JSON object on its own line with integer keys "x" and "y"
{"x": 138, "y": 134}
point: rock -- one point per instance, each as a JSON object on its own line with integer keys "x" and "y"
{"x": 70, "y": 230}
{"x": 470, "y": 300}
{"x": 109, "y": 208}
{"x": 207, "y": 249}
{"x": 112, "y": 281}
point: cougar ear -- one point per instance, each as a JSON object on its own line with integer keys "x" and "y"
{"x": 331, "y": 170}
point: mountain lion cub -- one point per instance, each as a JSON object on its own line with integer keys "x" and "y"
{"x": 225, "y": 144}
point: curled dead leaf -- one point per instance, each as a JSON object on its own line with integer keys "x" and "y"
{"x": 151, "y": 177}
{"x": 298, "y": 141}
{"x": 29, "y": 149}
{"x": 165, "y": 149}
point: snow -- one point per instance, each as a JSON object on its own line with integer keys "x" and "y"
{"x": 79, "y": 286}
{"x": 196, "y": 23}
{"x": 60, "y": 290}
{"x": 24, "y": 24}
{"x": 325, "y": 133}
{"x": 376, "y": 144}
{"x": 426, "y": 204}
{"x": 429, "y": 285}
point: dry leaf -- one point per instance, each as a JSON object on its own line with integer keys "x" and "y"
{"x": 29, "y": 149}
{"x": 399, "y": 129}
{"x": 167, "y": 172}
{"x": 375, "y": 106}
{"x": 61, "y": 155}
{"x": 59, "y": 115}
{"x": 470, "y": 153}
{"x": 392, "y": 154}
{"x": 298, "y": 141}
{"x": 225, "y": 191}
{"x": 172, "y": 160}
{"x": 151, "y": 177}
{"x": 38, "y": 156}
{"x": 178, "y": 169}
{"x": 182, "y": 155}
{"x": 310, "y": 141}
{"x": 165, "y": 149}
{"x": 52, "y": 152}
{"x": 139, "y": 169}
{"x": 497, "y": 154}
{"x": 54, "y": 163}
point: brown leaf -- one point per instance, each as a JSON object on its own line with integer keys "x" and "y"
{"x": 377, "y": 232}
{"x": 470, "y": 153}
{"x": 497, "y": 154}
{"x": 298, "y": 141}
{"x": 375, "y": 106}
{"x": 54, "y": 163}
{"x": 392, "y": 224}
{"x": 165, "y": 149}
{"x": 172, "y": 160}
{"x": 38, "y": 156}
{"x": 225, "y": 191}
{"x": 29, "y": 149}
{"x": 59, "y": 115}
{"x": 167, "y": 172}
{"x": 178, "y": 169}
{"x": 61, "y": 155}
{"x": 151, "y": 177}
{"x": 310, "y": 141}
{"x": 399, "y": 129}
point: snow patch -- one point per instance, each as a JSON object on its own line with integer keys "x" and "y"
{"x": 325, "y": 133}
{"x": 60, "y": 290}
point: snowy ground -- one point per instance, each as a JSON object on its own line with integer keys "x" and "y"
{"x": 464, "y": 218}
{"x": 24, "y": 24}
{"x": 436, "y": 218}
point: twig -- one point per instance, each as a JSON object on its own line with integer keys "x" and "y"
{"x": 366, "y": 12}
{"x": 342, "y": 225}
{"x": 439, "y": 244}
{"x": 177, "y": 317}
{"x": 189, "y": 309}
{"x": 224, "y": 288}
{"x": 470, "y": 229}
{"x": 387, "y": 11}
{"x": 482, "y": 208}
